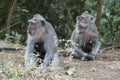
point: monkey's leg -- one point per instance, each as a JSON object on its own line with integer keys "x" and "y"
{"x": 82, "y": 55}
{"x": 76, "y": 55}
{"x": 79, "y": 52}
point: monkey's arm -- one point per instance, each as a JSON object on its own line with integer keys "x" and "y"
{"x": 29, "y": 58}
{"x": 73, "y": 36}
{"x": 96, "y": 48}
{"x": 50, "y": 48}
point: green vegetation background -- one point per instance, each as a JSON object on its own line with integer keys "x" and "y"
{"x": 14, "y": 15}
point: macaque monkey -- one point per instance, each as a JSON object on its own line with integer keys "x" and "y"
{"x": 85, "y": 36}
{"x": 42, "y": 38}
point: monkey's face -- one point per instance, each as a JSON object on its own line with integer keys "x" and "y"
{"x": 35, "y": 26}
{"x": 84, "y": 21}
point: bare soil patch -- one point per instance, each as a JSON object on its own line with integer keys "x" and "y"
{"x": 106, "y": 67}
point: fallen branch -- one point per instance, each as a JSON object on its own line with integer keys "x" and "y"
{"x": 10, "y": 48}
{"x": 111, "y": 47}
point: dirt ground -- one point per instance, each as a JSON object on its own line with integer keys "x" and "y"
{"x": 106, "y": 67}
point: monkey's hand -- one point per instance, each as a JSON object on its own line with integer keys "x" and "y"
{"x": 88, "y": 57}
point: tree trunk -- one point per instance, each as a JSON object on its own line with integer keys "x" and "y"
{"x": 10, "y": 15}
{"x": 98, "y": 10}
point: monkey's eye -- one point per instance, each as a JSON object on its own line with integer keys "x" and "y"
{"x": 36, "y": 20}
{"x": 80, "y": 18}
{"x": 91, "y": 18}
{"x": 43, "y": 22}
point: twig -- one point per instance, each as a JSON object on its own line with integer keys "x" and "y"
{"x": 10, "y": 26}
{"x": 111, "y": 47}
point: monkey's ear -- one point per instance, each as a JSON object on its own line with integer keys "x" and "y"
{"x": 43, "y": 22}
{"x": 77, "y": 18}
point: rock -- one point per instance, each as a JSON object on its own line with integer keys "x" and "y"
{"x": 71, "y": 71}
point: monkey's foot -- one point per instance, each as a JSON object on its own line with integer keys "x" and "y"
{"x": 88, "y": 58}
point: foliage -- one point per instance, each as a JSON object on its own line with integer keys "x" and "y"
{"x": 110, "y": 22}
{"x": 14, "y": 37}
{"x": 62, "y": 14}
